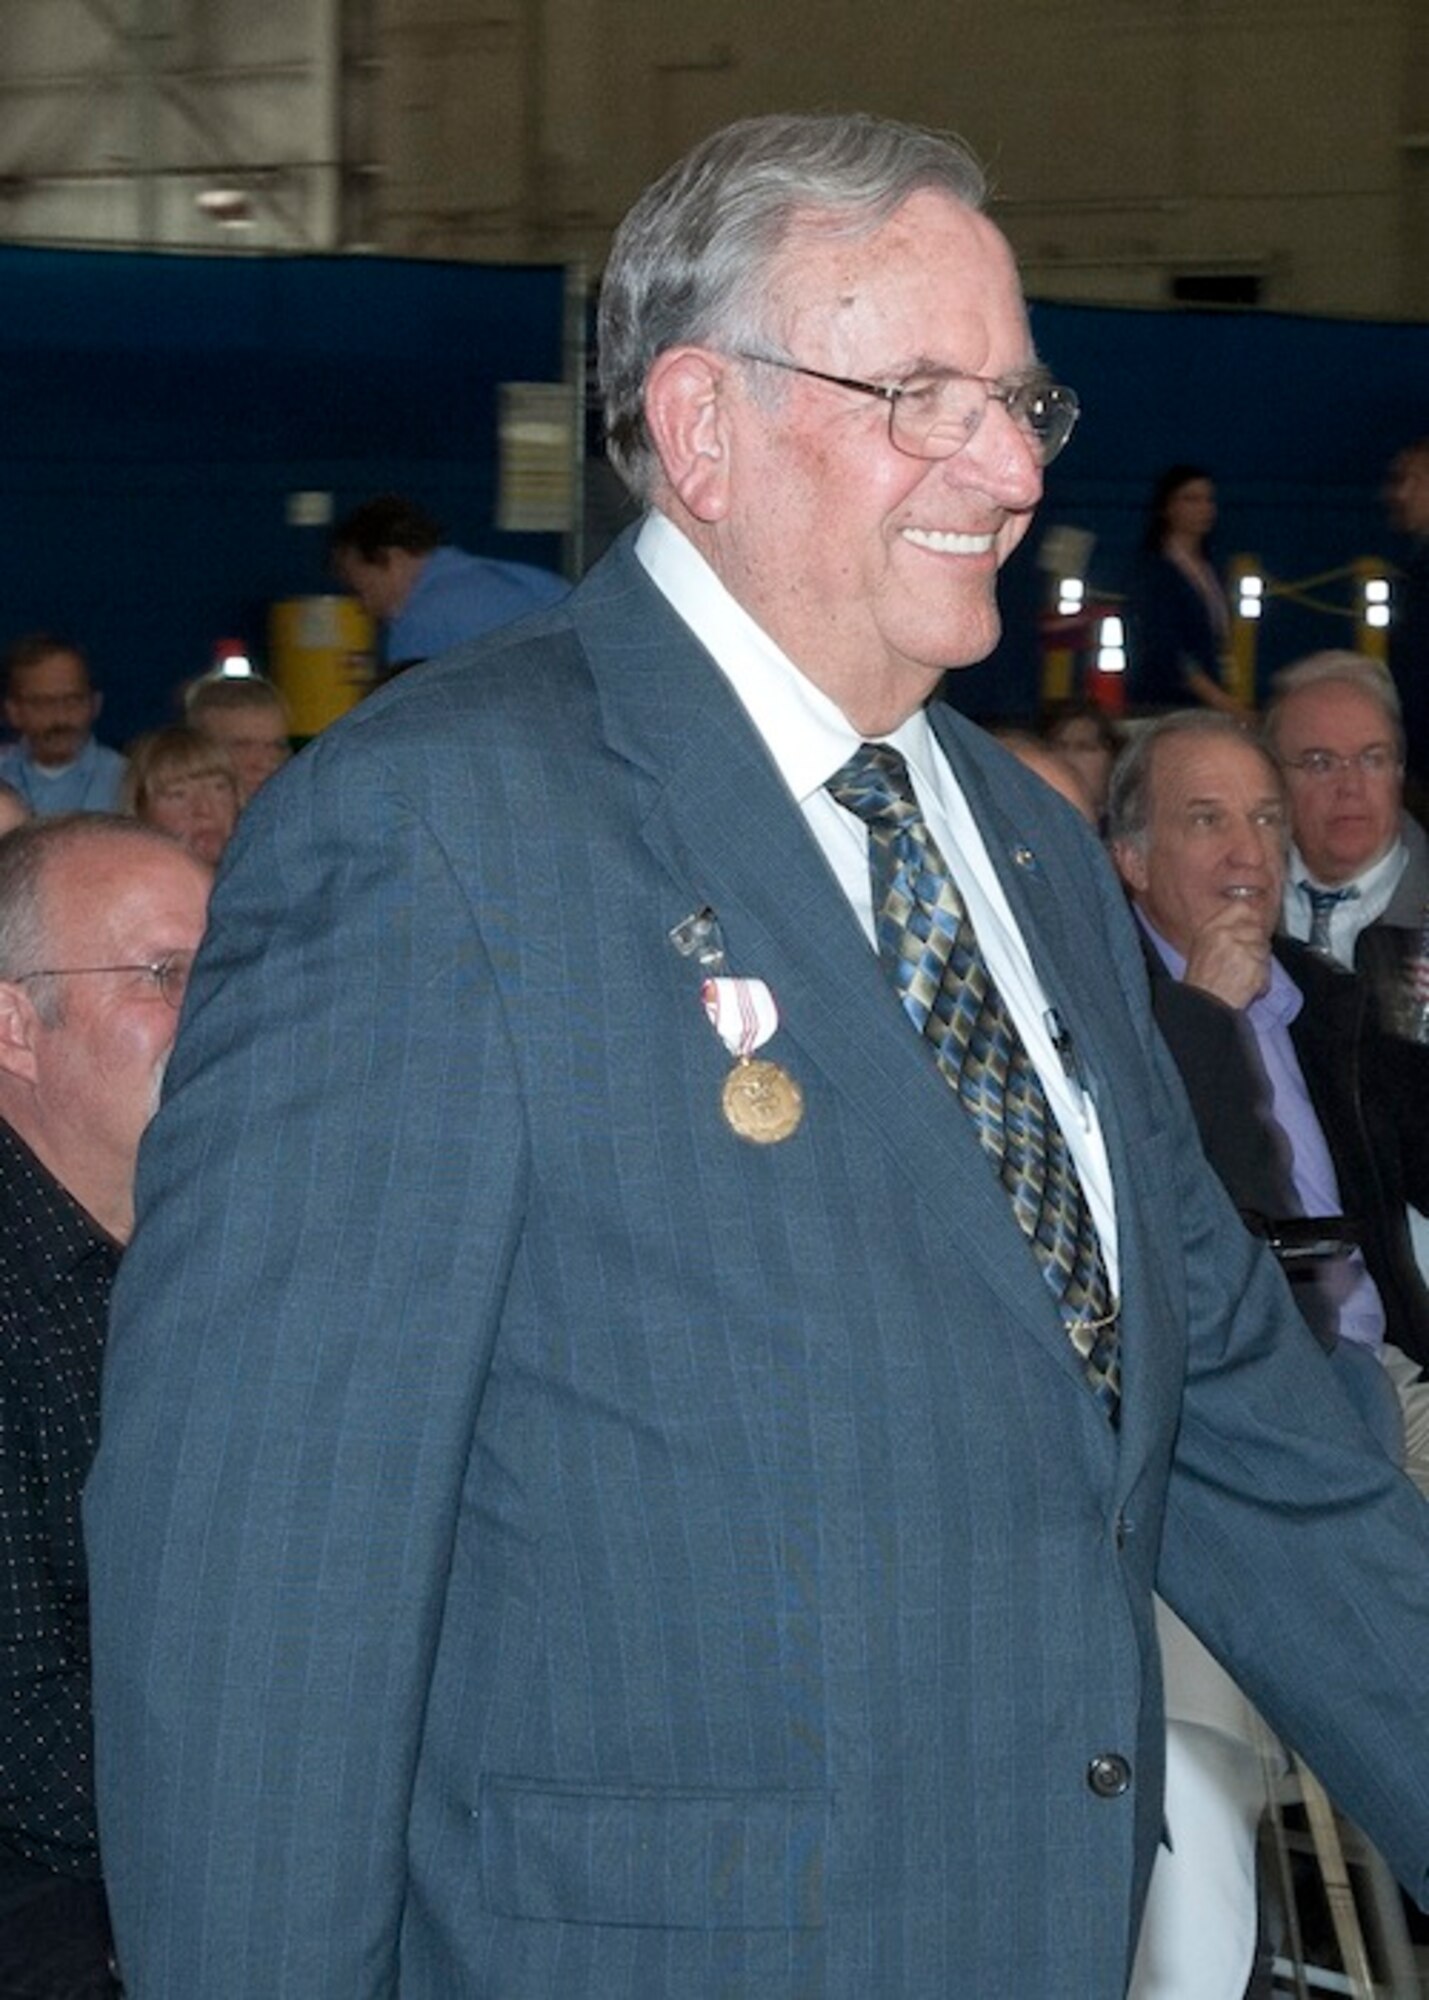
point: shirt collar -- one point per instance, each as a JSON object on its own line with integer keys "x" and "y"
{"x": 1377, "y": 882}
{"x": 53, "y": 772}
{"x": 806, "y": 733}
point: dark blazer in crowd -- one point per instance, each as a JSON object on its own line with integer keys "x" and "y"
{"x": 1370, "y": 1091}
{"x": 1362, "y": 1092}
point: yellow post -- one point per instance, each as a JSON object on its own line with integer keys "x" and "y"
{"x": 1247, "y": 601}
{"x": 320, "y": 650}
{"x": 1372, "y": 607}
{"x": 1058, "y": 670}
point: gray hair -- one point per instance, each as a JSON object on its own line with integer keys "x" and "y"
{"x": 26, "y": 853}
{"x": 1128, "y": 806}
{"x": 1335, "y": 668}
{"x": 692, "y": 259}
{"x": 215, "y": 691}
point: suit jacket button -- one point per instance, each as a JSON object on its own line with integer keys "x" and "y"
{"x": 1109, "y": 1775}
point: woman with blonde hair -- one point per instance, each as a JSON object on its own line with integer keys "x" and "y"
{"x": 183, "y": 784}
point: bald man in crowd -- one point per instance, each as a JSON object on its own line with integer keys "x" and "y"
{"x": 99, "y": 922}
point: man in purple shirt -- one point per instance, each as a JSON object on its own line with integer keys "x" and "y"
{"x": 1199, "y": 830}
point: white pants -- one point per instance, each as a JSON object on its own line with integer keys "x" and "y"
{"x": 1198, "y": 1934}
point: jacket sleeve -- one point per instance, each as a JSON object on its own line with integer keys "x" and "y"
{"x": 289, "y": 1397}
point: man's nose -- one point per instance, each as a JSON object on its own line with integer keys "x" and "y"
{"x": 1350, "y": 777}
{"x": 1002, "y": 460}
{"x": 1250, "y": 843}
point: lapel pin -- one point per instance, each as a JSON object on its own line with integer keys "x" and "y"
{"x": 698, "y": 936}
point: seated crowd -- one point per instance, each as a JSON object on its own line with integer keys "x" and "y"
{"x": 1280, "y": 890}
{"x": 1282, "y": 893}
{"x": 190, "y": 779}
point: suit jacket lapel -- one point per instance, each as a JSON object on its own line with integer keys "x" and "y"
{"x": 723, "y": 823}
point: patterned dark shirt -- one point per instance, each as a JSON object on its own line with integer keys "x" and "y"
{"x": 56, "y": 1270}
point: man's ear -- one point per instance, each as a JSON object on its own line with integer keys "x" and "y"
{"x": 18, "y": 1023}
{"x": 685, "y": 413}
{"x": 1130, "y": 865}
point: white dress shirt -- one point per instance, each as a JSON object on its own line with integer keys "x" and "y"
{"x": 809, "y": 738}
{"x": 1356, "y": 913}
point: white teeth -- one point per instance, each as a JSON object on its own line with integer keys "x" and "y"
{"x": 1242, "y": 891}
{"x": 948, "y": 545}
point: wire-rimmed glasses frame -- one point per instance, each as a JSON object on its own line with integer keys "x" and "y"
{"x": 1376, "y": 760}
{"x": 170, "y": 974}
{"x": 935, "y": 415}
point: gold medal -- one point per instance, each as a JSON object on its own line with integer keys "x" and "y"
{"x": 761, "y": 1102}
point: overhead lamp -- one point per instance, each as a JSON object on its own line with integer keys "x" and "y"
{"x": 229, "y": 207}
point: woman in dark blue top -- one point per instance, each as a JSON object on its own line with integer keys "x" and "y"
{"x": 1179, "y": 617}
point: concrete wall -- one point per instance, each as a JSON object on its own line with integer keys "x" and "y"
{"x": 1133, "y": 143}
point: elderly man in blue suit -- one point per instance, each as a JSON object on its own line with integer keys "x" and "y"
{"x": 678, "y": 1313}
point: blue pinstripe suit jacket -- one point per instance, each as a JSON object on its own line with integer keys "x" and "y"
{"x": 543, "y": 1545}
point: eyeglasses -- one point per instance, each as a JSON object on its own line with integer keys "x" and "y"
{"x": 1375, "y": 761}
{"x": 170, "y": 975}
{"x": 935, "y": 415}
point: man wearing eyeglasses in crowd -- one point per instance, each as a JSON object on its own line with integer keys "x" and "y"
{"x": 99, "y": 920}
{"x": 1357, "y": 882}
{"x": 677, "y": 1313}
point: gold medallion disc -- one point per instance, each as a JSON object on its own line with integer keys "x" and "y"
{"x": 761, "y": 1102}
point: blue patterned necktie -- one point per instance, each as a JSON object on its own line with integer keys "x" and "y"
{"x": 930, "y": 951}
{"x": 1323, "y": 905}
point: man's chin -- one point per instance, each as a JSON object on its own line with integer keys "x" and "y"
{"x": 972, "y": 642}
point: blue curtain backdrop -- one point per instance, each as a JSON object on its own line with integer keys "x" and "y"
{"x": 159, "y": 409}
{"x": 1295, "y": 418}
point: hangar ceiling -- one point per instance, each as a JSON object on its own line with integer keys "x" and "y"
{"x": 182, "y": 123}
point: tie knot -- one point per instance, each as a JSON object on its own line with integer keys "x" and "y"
{"x": 1328, "y": 899}
{"x": 874, "y": 784}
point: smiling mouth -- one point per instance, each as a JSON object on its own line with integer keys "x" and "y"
{"x": 945, "y": 544}
{"x": 1245, "y": 892}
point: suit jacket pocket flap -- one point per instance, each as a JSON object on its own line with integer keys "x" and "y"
{"x": 691, "y": 1860}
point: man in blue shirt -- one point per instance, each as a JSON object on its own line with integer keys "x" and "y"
{"x": 52, "y": 706}
{"x": 428, "y": 595}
